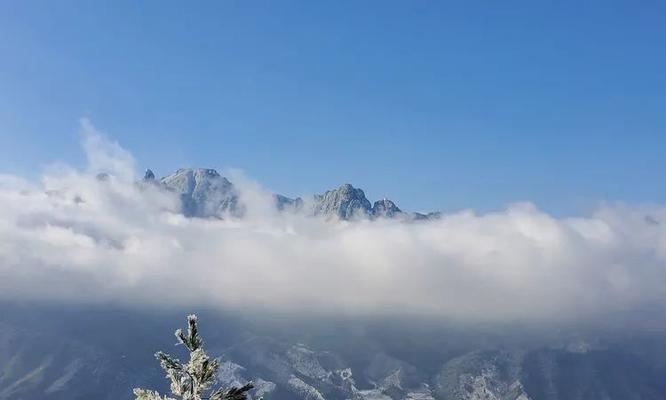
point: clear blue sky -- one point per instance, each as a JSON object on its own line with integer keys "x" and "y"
{"x": 437, "y": 105}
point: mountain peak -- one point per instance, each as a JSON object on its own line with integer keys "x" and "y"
{"x": 197, "y": 172}
{"x": 385, "y": 208}
{"x": 345, "y": 202}
{"x": 203, "y": 192}
{"x": 149, "y": 175}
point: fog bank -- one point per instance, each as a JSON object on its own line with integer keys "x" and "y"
{"x": 72, "y": 237}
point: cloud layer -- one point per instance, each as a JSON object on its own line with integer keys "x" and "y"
{"x": 75, "y": 238}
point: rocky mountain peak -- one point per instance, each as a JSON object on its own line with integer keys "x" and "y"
{"x": 347, "y": 188}
{"x": 149, "y": 175}
{"x": 284, "y": 203}
{"x": 345, "y": 202}
{"x": 203, "y": 192}
{"x": 385, "y": 208}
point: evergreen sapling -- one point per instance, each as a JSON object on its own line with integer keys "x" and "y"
{"x": 192, "y": 380}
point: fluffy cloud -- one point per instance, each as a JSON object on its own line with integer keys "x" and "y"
{"x": 75, "y": 238}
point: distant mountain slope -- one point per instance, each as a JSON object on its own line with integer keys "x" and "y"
{"x": 102, "y": 355}
{"x": 34, "y": 365}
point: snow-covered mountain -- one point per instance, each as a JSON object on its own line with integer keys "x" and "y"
{"x": 52, "y": 354}
{"x": 204, "y": 193}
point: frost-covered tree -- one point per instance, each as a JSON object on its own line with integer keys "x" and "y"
{"x": 192, "y": 380}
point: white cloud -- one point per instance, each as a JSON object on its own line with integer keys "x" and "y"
{"x": 105, "y": 156}
{"x": 75, "y": 238}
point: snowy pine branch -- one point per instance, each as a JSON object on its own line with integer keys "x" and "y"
{"x": 191, "y": 380}
{"x": 233, "y": 393}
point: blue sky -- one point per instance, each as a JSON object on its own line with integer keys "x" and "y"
{"x": 437, "y": 105}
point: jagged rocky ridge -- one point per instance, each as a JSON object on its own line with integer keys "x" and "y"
{"x": 205, "y": 193}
